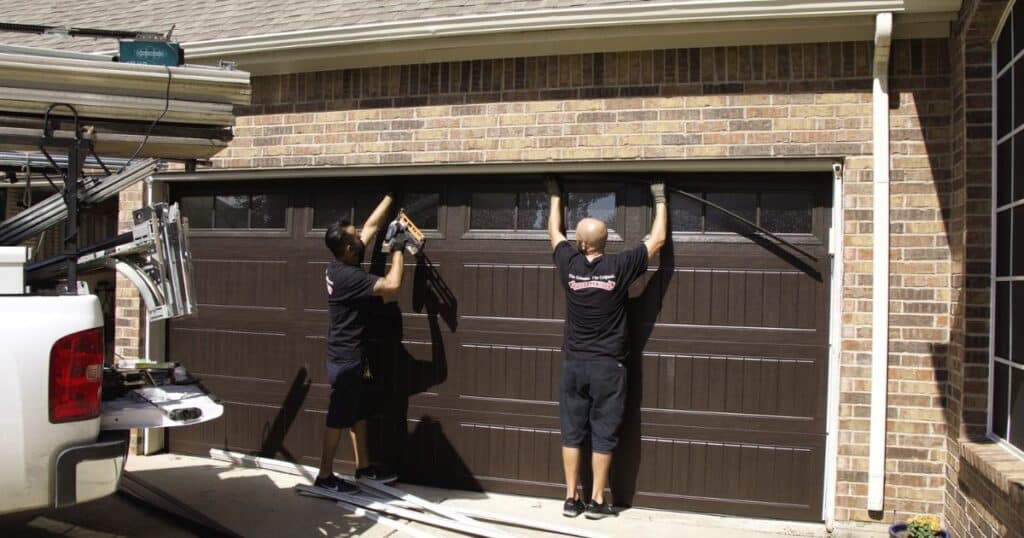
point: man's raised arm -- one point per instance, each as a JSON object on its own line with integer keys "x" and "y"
{"x": 555, "y": 217}
{"x": 659, "y": 229}
{"x": 374, "y": 221}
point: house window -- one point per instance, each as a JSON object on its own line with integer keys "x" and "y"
{"x": 509, "y": 211}
{"x": 244, "y": 211}
{"x": 1007, "y": 359}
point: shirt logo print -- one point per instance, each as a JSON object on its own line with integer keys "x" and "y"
{"x": 330, "y": 285}
{"x": 600, "y": 282}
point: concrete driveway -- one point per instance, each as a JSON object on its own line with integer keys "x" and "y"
{"x": 257, "y": 503}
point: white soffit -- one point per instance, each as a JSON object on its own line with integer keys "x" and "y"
{"x": 639, "y": 26}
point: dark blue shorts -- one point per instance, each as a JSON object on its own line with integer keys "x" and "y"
{"x": 592, "y": 402}
{"x": 348, "y": 388}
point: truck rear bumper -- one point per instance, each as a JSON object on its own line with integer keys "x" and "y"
{"x": 88, "y": 472}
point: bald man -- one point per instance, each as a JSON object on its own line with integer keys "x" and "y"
{"x": 593, "y": 387}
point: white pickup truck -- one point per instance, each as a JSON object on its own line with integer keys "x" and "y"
{"x": 64, "y": 413}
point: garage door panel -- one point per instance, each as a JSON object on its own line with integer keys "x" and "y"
{"x": 733, "y": 298}
{"x": 226, "y": 352}
{"x": 510, "y": 372}
{"x": 739, "y": 476}
{"x": 511, "y": 291}
{"x": 510, "y": 452}
{"x": 241, "y": 283}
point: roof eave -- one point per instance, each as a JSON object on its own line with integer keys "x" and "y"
{"x": 639, "y": 17}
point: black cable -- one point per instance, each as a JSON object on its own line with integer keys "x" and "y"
{"x": 167, "y": 105}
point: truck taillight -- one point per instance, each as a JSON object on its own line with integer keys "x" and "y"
{"x": 76, "y": 376}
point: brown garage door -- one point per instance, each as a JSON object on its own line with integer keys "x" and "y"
{"x": 728, "y": 374}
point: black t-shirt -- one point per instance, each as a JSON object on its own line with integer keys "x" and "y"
{"x": 349, "y": 301}
{"x": 595, "y": 300}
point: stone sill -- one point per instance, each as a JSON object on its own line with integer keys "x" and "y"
{"x": 999, "y": 466}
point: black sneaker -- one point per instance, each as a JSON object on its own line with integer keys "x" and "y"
{"x": 376, "y": 474}
{"x": 599, "y": 511}
{"x": 572, "y": 507}
{"x": 336, "y": 484}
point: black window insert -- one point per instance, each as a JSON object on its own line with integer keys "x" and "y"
{"x": 236, "y": 211}
{"x": 786, "y": 212}
{"x": 334, "y": 203}
{"x": 509, "y": 211}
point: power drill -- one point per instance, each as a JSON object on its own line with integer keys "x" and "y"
{"x": 403, "y": 231}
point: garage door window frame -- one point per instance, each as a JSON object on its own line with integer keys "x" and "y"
{"x": 821, "y": 211}
{"x": 354, "y": 191}
{"x": 248, "y": 188}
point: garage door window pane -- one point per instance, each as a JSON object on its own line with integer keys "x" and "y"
{"x": 533, "y": 211}
{"x": 684, "y": 213}
{"x": 787, "y": 212}
{"x": 268, "y": 210}
{"x": 492, "y": 211}
{"x": 330, "y": 208}
{"x": 742, "y": 203}
{"x": 422, "y": 208}
{"x": 366, "y": 202}
{"x": 232, "y": 211}
{"x": 595, "y": 205}
{"x": 198, "y": 210}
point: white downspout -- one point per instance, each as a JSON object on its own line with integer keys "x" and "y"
{"x": 880, "y": 269}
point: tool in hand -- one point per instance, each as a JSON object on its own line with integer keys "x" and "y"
{"x": 402, "y": 232}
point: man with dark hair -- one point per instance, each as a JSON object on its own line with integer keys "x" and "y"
{"x": 350, "y": 296}
{"x": 593, "y": 386}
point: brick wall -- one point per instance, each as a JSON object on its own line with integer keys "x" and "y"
{"x": 752, "y": 101}
{"x": 128, "y": 335}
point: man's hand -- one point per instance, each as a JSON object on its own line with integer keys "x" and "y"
{"x": 658, "y": 192}
{"x": 659, "y": 228}
{"x": 553, "y": 186}
{"x": 554, "y": 189}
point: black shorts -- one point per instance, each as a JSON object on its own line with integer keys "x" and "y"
{"x": 592, "y": 402}
{"x": 348, "y": 389}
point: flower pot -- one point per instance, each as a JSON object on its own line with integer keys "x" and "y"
{"x": 899, "y": 530}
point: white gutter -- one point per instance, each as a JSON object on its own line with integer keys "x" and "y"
{"x": 880, "y": 269}
{"x": 684, "y": 11}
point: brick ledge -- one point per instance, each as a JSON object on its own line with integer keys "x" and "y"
{"x": 999, "y": 466}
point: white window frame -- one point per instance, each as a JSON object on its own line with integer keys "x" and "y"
{"x": 993, "y": 279}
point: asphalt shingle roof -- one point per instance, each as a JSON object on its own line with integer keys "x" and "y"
{"x": 200, "y": 20}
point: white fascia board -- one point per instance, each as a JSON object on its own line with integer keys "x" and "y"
{"x": 638, "y": 14}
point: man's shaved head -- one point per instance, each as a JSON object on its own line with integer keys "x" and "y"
{"x": 591, "y": 236}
